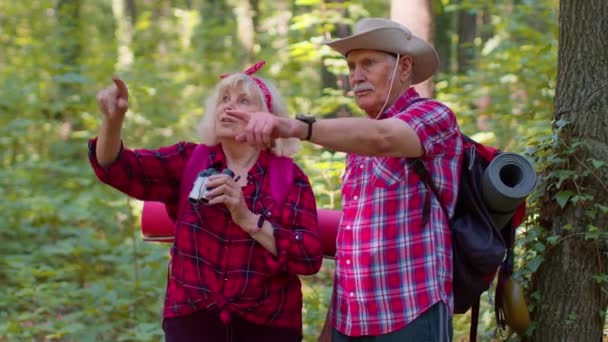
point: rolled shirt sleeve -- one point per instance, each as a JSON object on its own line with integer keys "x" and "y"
{"x": 434, "y": 124}
{"x": 144, "y": 174}
{"x": 299, "y": 248}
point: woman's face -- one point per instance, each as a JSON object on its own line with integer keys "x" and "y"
{"x": 233, "y": 98}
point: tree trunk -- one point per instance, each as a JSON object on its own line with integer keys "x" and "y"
{"x": 467, "y": 32}
{"x": 328, "y": 78}
{"x": 69, "y": 44}
{"x": 570, "y": 284}
{"x": 444, "y": 26}
{"x": 417, "y": 15}
{"x": 246, "y": 25}
{"x": 131, "y": 11}
{"x": 124, "y": 13}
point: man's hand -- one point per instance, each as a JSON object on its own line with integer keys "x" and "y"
{"x": 114, "y": 100}
{"x": 263, "y": 127}
{"x": 325, "y": 335}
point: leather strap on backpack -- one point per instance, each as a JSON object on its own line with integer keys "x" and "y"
{"x": 474, "y": 320}
{"x": 426, "y": 179}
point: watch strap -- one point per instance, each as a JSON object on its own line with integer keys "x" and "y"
{"x": 309, "y": 120}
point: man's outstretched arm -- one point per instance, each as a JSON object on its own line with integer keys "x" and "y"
{"x": 390, "y": 137}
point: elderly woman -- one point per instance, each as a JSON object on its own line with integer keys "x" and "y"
{"x": 237, "y": 253}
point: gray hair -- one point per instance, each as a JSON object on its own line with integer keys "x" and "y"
{"x": 206, "y": 128}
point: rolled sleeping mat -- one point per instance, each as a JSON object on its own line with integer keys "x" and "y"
{"x": 505, "y": 184}
{"x": 329, "y": 221}
{"x": 156, "y": 226}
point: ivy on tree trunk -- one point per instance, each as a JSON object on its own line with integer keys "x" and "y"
{"x": 569, "y": 289}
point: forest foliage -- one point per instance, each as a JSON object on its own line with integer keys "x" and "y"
{"x": 73, "y": 265}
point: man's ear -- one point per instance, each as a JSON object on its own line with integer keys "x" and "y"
{"x": 406, "y": 67}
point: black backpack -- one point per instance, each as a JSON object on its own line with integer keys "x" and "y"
{"x": 479, "y": 246}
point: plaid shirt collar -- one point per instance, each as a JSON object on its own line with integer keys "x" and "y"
{"x": 217, "y": 158}
{"x": 400, "y": 103}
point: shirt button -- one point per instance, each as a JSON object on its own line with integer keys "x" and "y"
{"x": 355, "y": 198}
{"x": 352, "y": 294}
{"x": 362, "y": 166}
{"x": 348, "y": 262}
{"x": 348, "y": 227}
{"x": 226, "y": 279}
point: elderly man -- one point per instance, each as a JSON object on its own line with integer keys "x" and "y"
{"x": 393, "y": 279}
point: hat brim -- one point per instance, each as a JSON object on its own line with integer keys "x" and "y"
{"x": 384, "y": 39}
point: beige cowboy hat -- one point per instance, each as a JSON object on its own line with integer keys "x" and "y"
{"x": 389, "y": 36}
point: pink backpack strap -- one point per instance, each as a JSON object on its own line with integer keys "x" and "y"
{"x": 197, "y": 162}
{"x": 280, "y": 171}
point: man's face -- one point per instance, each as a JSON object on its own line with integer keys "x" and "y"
{"x": 369, "y": 76}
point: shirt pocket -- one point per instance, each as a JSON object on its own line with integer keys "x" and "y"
{"x": 388, "y": 172}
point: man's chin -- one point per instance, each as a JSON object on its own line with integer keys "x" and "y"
{"x": 370, "y": 112}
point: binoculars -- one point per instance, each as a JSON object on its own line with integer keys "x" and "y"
{"x": 199, "y": 189}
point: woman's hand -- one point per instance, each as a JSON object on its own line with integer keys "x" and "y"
{"x": 114, "y": 100}
{"x": 227, "y": 192}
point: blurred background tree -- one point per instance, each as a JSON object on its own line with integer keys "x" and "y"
{"x": 73, "y": 266}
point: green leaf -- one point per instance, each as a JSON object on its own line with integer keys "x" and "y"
{"x": 534, "y": 264}
{"x": 539, "y": 247}
{"x": 562, "y": 197}
{"x": 600, "y": 278}
{"x": 597, "y": 163}
{"x": 561, "y": 123}
{"x": 592, "y": 233}
{"x": 553, "y": 239}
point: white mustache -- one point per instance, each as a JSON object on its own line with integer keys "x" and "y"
{"x": 362, "y": 87}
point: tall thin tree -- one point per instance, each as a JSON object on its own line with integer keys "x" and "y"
{"x": 417, "y": 15}
{"x": 69, "y": 44}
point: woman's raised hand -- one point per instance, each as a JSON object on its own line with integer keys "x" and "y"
{"x": 114, "y": 100}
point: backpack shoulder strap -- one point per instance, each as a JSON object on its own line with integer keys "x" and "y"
{"x": 280, "y": 171}
{"x": 471, "y": 150}
{"x": 427, "y": 180}
{"x": 196, "y": 162}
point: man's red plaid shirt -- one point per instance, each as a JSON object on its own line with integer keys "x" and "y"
{"x": 391, "y": 266}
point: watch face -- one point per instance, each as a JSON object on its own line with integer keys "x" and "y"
{"x": 305, "y": 118}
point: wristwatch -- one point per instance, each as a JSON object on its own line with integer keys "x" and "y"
{"x": 309, "y": 120}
